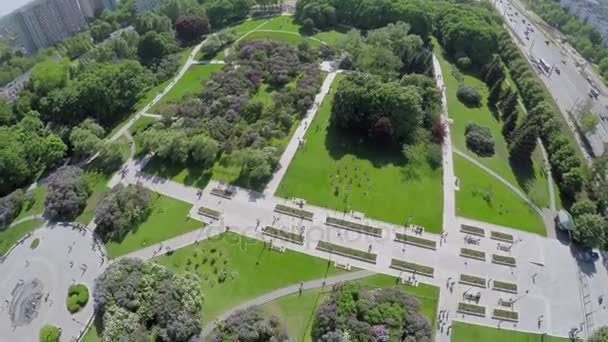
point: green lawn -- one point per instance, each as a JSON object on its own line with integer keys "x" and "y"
{"x": 12, "y": 234}
{"x": 530, "y": 178}
{"x": 464, "y": 332}
{"x": 282, "y": 23}
{"x": 330, "y": 37}
{"x": 292, "y": 38}
{"x": 504, "y": 208}
{"x": 312, "y": 175}
{"x": 297, "y": 312}
{"x": 168, "y": 218}
{"x": 251, "y": 270}
{"x": 190, "y": 84}
{"x": 35, "y": 204}
{"x": 98, "y": 184}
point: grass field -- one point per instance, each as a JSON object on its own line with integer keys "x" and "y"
{"x": 389, "y": 197}
{"x": 463, "y": 332}
{"x": 504, "y": 207}
{"x": 292, "y": 38}
{"x": 98, "y": 184}
{"x": 168, "y": 218}
{"x": 297, "y": 312}
{"x": 12, "y": 234}
{"x": 529, "y": 178}
{"x": 251, "y": 270}
{"x": 35, "y": 205}
{"x": 190, "y": 84}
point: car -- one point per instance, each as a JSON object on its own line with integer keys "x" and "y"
{"x": 588, "y": 256}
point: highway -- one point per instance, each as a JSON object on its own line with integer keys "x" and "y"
{"x": 564, "y": 76}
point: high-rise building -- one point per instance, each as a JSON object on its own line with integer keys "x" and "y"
{"x": 90, "y": 8}
{"x": 145, "y": 5}
{"x": 594, "y": 13}
{"x": 44, "y": 23}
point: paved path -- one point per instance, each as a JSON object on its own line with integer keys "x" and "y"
{"x": 298, "y": 136}
{"x": 150, "y": 115}
{"x": 270, "y": 296}
{"x": 502, "y": 180}
{"x": 27, "y": 218}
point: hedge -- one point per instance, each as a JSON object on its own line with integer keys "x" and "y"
{"x": 347, "y": 252}
{"x": 284, "y": 235}
{"x": 412, "y": 267}
{"x": 50, "y": 333}
{"x": 472, "y": 230}
{"x": 503, "y": 260}
{"x": 357, "y": 227}
{"x": 501, "y": 237}
{"x": 209, "y": 212}
{"x": 472, "y": 253}
{"x": 78, "y": 297}
{"x": 416, "y": 241}
{"x": 222, "y": 193}
{"x": 472, "y": 309}
{"x": 283, "y": 209}
{"x": 506, "y": 315}
{"x": 504, "y": 286}
{"x": 473, "y": 280}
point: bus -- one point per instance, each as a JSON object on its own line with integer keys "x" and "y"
{"x": 544, "y": 64}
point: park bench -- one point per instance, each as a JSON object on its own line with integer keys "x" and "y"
{"x": 344, "y": 266}
{"x": 277, "y": 248}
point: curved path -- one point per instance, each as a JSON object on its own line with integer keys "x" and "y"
{"x": 27, "y": 218}
{"x": 502, "y": 180}
{"x": 270, "y": 296}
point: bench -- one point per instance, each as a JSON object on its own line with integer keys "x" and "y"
{"x": 277, "y": 248}
{"x": 342, "y": 266}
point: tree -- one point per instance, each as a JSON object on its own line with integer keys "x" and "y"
{"x": 86, "y": 138}
{"x": 600, "y": 335}
{"x": 256, "y": 164}
{"x": 48, "y": 75}
{"x": 77, "y": 45}
{"x": 250, "y": 324}
{"x": 67, "y": 194}
{"x": 509, "y": 104}
{"x": 150, "y": 21}
{"x": 203, "y": 149}
{"x": 582, "y": 207}
{"x": 110, "y": 157}
{"x": 509, "y": 125}
{"x": 154, "y": 46}
{"x": 479, "y": 139}
{"x": 7, "y": 116}
{"x": 495, "y": 94}
{"x": 10, "y": 207}
{"x": 121, "y": 210}
{"x": 469, "y": 96}
{"x": 191, "y": 28}
{"x": 590, "y": 230}
{"x": 50, "y": 333}
{"x": 169, "y": 307}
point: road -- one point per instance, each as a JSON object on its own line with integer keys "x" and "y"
{"x": 570, "y": 89}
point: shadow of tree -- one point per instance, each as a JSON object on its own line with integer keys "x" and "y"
{"x": 523, "y": 170}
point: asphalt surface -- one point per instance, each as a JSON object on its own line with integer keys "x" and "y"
{"x": 570, "y": 88}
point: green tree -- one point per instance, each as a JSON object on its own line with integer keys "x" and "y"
{"x": 50, "y": 333}
{"x": 600, "y": 335}
{"x": 590, "y": 230}
{"x": 203, "y": 149}
{"x": 154, "y": 46}
{"x": 583, "y": 206}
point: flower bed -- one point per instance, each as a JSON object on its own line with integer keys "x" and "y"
{"x": 416, "y": 241}
{"x": 472, "y": 309}
{"x": 303, "y": 214}
{"x": 506, "y": 315}
{"x": 502, "y": 237}
{"x": 222, "y": 193}
{"x": 214, "y": 214}
{"x": 472, "y": 280}
{"x": 357, "y": 227}
{"x": 472, "y": 230}
{"x": 504, "y": 286}
{"x": 412, "y": 267}
{"x": 347, "y": 252}
{"x": 504, "y": 260}
{"x": 284, "y": 235}
{"x": 472, "y": 253}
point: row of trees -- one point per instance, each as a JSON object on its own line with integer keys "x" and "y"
{"x": 136, "y": 300}
{"x": 565, "y": 164}
{"x": 353, "y": 314}
{"x": 366, "y": 14}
